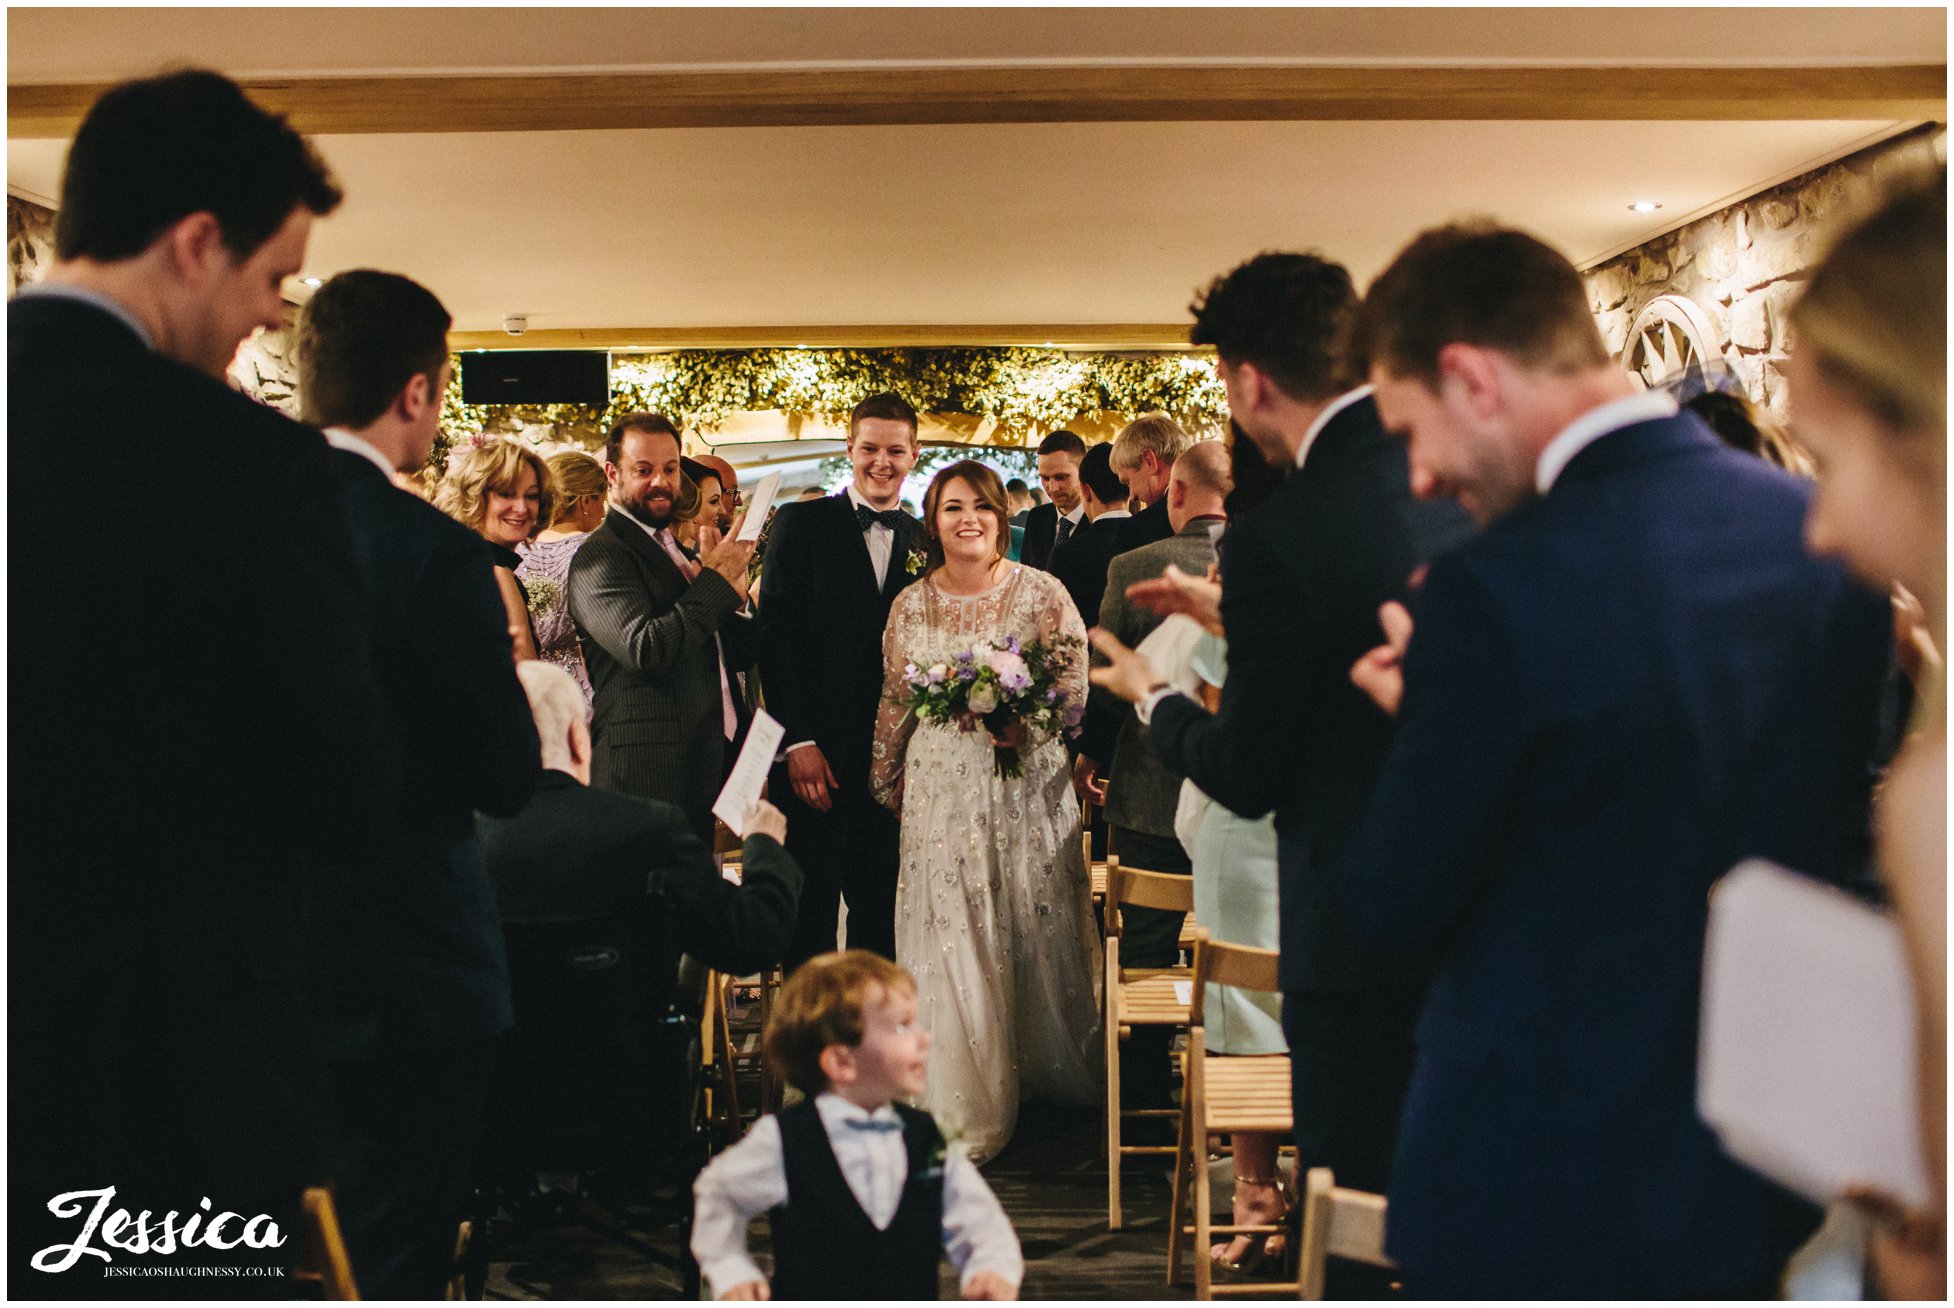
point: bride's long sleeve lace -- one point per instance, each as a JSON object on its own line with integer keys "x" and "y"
{"x": 893, "y": 721}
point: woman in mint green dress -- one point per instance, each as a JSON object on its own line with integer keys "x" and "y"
{"x": 1235, "y": 899}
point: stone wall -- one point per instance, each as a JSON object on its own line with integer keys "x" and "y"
{"x": 264, "y": 367}
{"x": 1744, "y": 266}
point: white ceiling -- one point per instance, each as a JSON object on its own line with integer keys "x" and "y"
{"x": 1004, "y": 223}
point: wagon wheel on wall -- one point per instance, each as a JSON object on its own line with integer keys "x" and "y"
{"x": 1670, "y": 336}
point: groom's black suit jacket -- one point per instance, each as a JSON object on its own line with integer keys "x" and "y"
{"x": 201, "y": 734}
{"x": 410, "y": 947}
{"x": 820, "y": 628}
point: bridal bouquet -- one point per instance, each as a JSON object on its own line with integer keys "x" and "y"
{"x": 998, "y": 683}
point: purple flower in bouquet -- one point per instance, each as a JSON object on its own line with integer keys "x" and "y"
{"x": 1000, "y": 686}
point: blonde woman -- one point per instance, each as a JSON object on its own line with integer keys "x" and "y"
{"x": 1868, "y": 379}
{"x": 544, "y": 573}
{"x": 504, "y": 493}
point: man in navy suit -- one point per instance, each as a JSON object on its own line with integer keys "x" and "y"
{"x": 1303, "y": 575}
{"x": 413, "y": 985}
{"x": 833, "y": 568}
{"x": 1049, "y": 525}
{"x": 1080, "y": 563}
{"x": 1633, "y": 678}
{"x": 217, "y": 742}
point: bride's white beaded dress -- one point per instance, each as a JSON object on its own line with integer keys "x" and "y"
{"x": 993, "y": 910}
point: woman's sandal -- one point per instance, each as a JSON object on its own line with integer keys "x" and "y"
{"x": 1245, "y": 1253}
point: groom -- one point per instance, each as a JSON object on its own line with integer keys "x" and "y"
{"x": 833, "y": 567}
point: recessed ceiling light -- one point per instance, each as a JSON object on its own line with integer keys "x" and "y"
{"x": 1645, "y": 206}
{"x": 312, "y": 281}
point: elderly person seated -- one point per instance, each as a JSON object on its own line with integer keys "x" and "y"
{"x": 574, "y": 852}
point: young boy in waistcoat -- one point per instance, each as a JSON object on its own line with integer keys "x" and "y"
{"x": 862, "y": 1193}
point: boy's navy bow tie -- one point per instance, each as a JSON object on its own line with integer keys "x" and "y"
{"x": 869, "y": 1123}
{"x": 890, "y": 518}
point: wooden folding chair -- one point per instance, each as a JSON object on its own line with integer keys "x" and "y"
{"x": 1222, "y": 1094}
{"x": 322, "y": 1250}
{"x": 458, "y": 1281}
{"x": 1095, "y": 867}
{"x": 1136, "y": 996}
{"x": 719, "y": 1058}
{"x": 1347, "y": 1223}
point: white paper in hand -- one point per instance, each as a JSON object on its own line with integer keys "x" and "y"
{"x": 757, "y": 505}
{"x": 1807, "y": 1068}
{"x": 742, "y": 789}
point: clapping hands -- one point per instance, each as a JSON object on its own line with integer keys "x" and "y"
{"x": 1380, "y": 673}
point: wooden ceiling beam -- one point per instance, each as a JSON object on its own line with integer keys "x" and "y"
{"x": 1066, "y": 336}
{"x": 798, "y": 97}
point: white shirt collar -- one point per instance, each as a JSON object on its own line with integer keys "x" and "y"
{"x": 114, "y": 308}
{"x": 855, "y": 497}
{"x": 1077, "y": 515}
{"x": 835, "y": 1110}
{"x": 1330, "y": 410}
{"x": 1645, "y": 406}
{"x": 342, "y": 439}
{"x": 1113, "y": 513}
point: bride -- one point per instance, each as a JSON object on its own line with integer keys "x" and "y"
{"x": 993, "y": 913}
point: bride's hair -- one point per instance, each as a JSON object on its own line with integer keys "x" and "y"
{"x": 990, "y": 494}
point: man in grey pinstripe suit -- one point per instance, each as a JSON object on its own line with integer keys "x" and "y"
{"x": 663, "y": 636}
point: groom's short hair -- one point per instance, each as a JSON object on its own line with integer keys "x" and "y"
{"x": 887, "y": 405}
{"x": 820, "y": 1005}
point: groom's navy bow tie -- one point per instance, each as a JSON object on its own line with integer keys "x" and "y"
{"x": 869, "y": 1123}
{"x": 890, "y": 518}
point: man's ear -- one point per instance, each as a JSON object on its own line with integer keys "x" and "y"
{"x": 1253, "y": 384}
{"x": 195, "y": 246}
{"x": 838, "y": 1065}
{"x": 1472, "y": 372}
{"x": 414, "y": 397}
{"x": 1176, "y": 493}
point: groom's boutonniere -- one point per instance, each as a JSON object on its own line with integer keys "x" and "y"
{"x": 917, "y": 559}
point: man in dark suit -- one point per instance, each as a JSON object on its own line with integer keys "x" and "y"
{"x": 1302, "y": 578}
{"x": 575, "y": 852}
{"x": 1635, "y": 678}
{"x": 1143, "y": 457}
{"x": 413, "y": 985}
{"x": 834, "y": 566}
{"x": 1080, "y": 563}
{"x": 1144, "y": 792}
{"x": 662, "y": 635}
{"x": 1052, "y": 523}
{"x": 225, "y": 742}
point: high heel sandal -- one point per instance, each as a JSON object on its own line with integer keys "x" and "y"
{"x": 1265, "y": 1250}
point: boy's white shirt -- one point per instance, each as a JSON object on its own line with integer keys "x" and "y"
{"x": 751, "y": 1178}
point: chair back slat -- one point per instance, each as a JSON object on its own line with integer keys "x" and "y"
{"x": 1357, "y": 1231}
{"x": 1143, "y": 889}
{"x": 1346, "y": 1223}
{"x": 1245, "y": 967}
